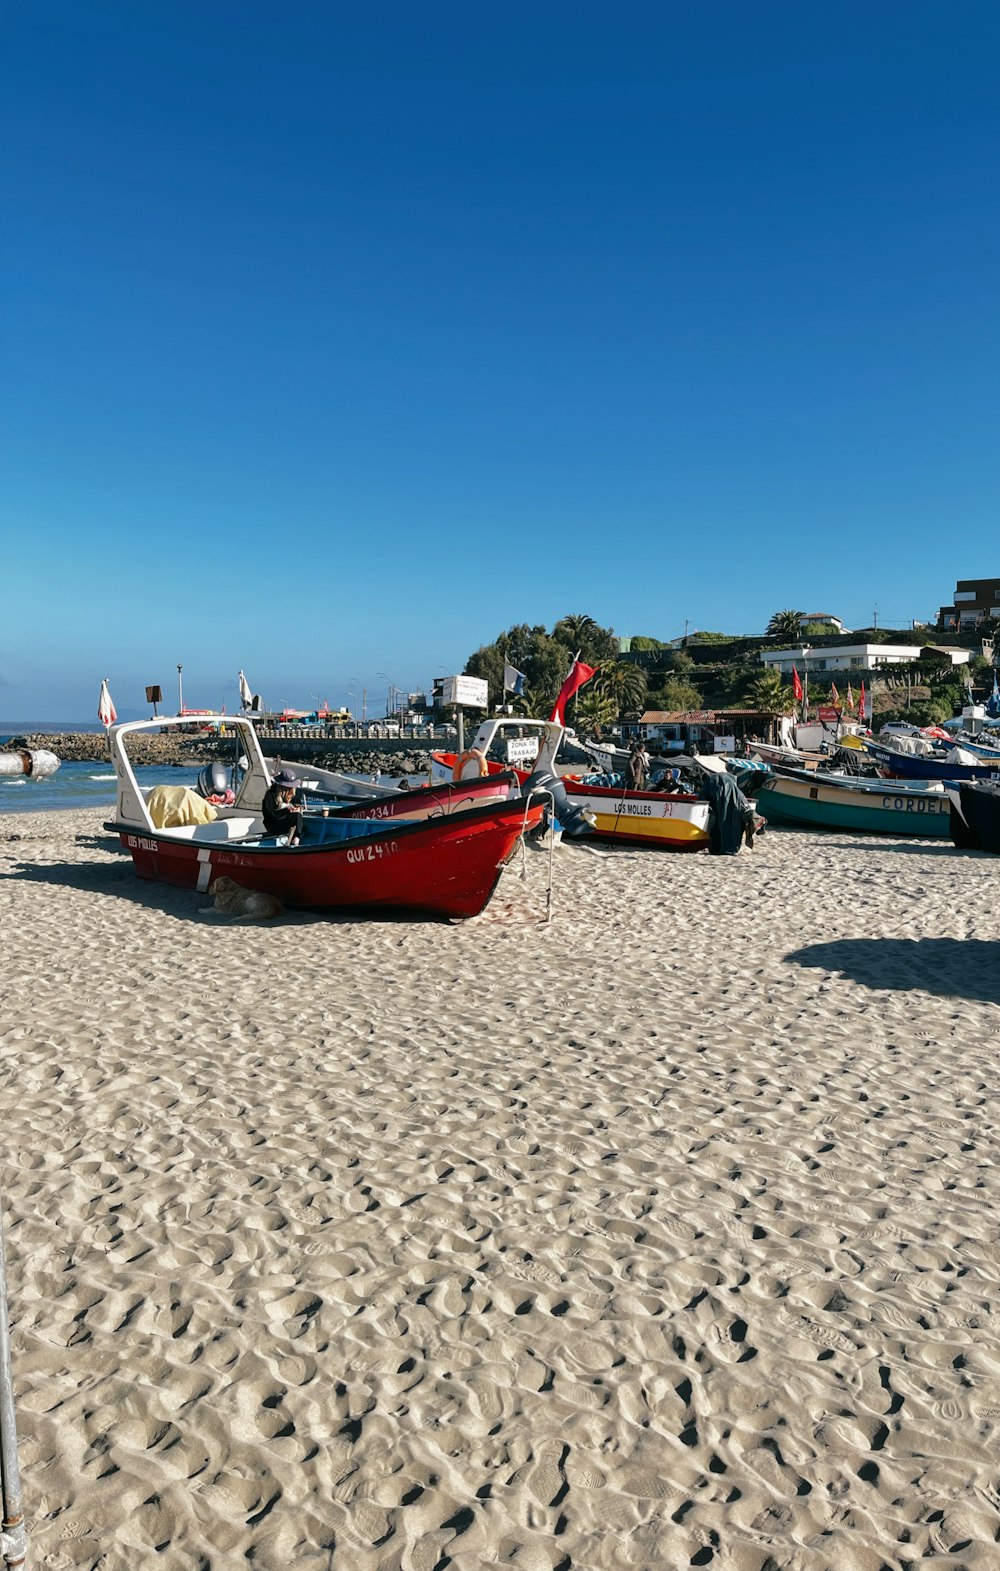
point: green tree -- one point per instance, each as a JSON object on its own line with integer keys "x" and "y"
{"x": 594, "y": 710}
{"x": 677, "y": 692}
{"x": 534, "y": 704}
{"x": 580, "y": 632}
{"x": 767, "y": 691}
{"x": 529, "y": 649}
{"x": 641, "y": 643}
{"x": 624, "y": 684}
{"x": 785, "y": 625}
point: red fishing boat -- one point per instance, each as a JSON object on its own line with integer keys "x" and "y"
{"x": 434, "y": 801}
{"x": 444, "y": 866}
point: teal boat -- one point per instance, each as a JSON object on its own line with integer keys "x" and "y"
{"x": 869, "y": 807}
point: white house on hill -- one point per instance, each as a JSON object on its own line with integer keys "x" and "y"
{"x": 852, "y": 657}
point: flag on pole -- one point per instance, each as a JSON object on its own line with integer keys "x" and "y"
{"x": 246, "y": 696}
{"x": 514, "y": 681}
{"x": 834, "y": 695}
{"x": 863, "y": 712}
{"x": 107, "y": 714}
{"x": 578, "y": 674}
{"x": 850, "y": 696}
{"x": 796, "y": 686}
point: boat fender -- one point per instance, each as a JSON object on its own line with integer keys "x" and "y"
{"x": 573, "y": 819}
{"x": 472, "y": 755}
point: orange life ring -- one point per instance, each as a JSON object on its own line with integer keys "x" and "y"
{"x": 471, "y": 755}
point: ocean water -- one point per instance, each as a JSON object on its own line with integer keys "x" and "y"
{"x": 90, "y": 784}
{"x": 80, "y": 785}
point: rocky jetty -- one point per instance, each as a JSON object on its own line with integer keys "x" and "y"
{"x": 191, "y": 751}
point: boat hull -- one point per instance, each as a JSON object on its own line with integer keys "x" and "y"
{"x": 445, "y": 867}
{"x": 433, "y": 801}
{"x": 643, "y": 818}
{"x": 920, "y": 766}
{"x": 975, "y": 816}
{"x": 813, "y": 804}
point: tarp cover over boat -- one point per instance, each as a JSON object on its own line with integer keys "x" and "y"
{"x": 976, "y": 826}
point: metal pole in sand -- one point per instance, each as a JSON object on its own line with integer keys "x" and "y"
{"x": 13, "y": 1545}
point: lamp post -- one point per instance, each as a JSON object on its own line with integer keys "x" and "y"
{"x": 805, "y": 680}
{"x": 180, "y": 690}
{"x": 394, "y": 697}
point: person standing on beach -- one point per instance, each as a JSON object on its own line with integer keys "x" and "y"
{"x": 282, "y": 807}
{"x": 638, "y": 767}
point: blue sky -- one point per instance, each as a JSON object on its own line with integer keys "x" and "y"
{"x": 340, "y": 337}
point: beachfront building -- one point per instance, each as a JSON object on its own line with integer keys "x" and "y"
{"x": 706, "y": 727}
{"x": 834, "y": 661}
{"x": 975, "y": 600}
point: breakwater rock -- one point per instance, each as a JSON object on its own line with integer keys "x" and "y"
{"x": 368, "y": 758}
{"x": 190, "y": 751}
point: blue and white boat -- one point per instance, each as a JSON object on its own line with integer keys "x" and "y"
{"x": 930, "y": 766}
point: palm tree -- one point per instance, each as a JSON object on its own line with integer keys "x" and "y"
{"x": 594, "y": 710}
{"x": 768, "y": 693}
{"x": 534, "y": 703}
{"x": 786, "y": 625}
{"x": 622, "y": 682}
{"x": 574, "y": 629}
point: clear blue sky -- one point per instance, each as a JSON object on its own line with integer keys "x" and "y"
{"x": 339, "y": 337}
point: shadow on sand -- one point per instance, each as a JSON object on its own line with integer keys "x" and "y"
{"x": 953, "y": 967}
{"x": 119, "y": 880}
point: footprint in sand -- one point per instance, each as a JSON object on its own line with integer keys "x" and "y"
{"x": 77, "y": 1529}
{"x": 545, "y": 1479}
{"x": 646, "y": 1485}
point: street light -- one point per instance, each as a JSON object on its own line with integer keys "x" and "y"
{"x": 180, "y": 690}
{"x": 395, "y": 693}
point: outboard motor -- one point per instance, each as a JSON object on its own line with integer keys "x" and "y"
{"x": 573, "y": 820}
{"x": 213, "y": 783}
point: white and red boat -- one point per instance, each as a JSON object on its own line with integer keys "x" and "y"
{"x": 446, "y": 865}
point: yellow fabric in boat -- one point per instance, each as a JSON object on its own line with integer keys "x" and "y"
{"x": 850, "y": 740}
{"x": 171, "y": 807}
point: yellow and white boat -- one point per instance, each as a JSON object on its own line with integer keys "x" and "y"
{"x": 675, "y": 822}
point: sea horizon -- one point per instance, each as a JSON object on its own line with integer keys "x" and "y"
{"x": 52, "y": 727}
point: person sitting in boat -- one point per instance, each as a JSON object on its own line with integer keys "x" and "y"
{"x": 282, "y": 807}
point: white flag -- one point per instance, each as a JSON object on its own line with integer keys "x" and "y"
{"x": 514, "y": 681}
{"x": 246, "y": 697}
{"x": 106, "y": 711}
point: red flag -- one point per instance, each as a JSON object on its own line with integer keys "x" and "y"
{"x": 862, "y": 711}
{"x": 578, "y": 674}
{"x": 796, "y": 686}
{"x": 834, "y": 695}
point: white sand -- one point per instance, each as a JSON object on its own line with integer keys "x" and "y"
{"x": 632, "y": 1241}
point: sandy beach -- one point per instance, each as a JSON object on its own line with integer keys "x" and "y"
{"x": 663, "y": 1235}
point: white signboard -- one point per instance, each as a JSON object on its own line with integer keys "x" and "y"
{"x": 520, "y": 748}
{"x": 724, "y": 744}
{"x": 469, "y": 691}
